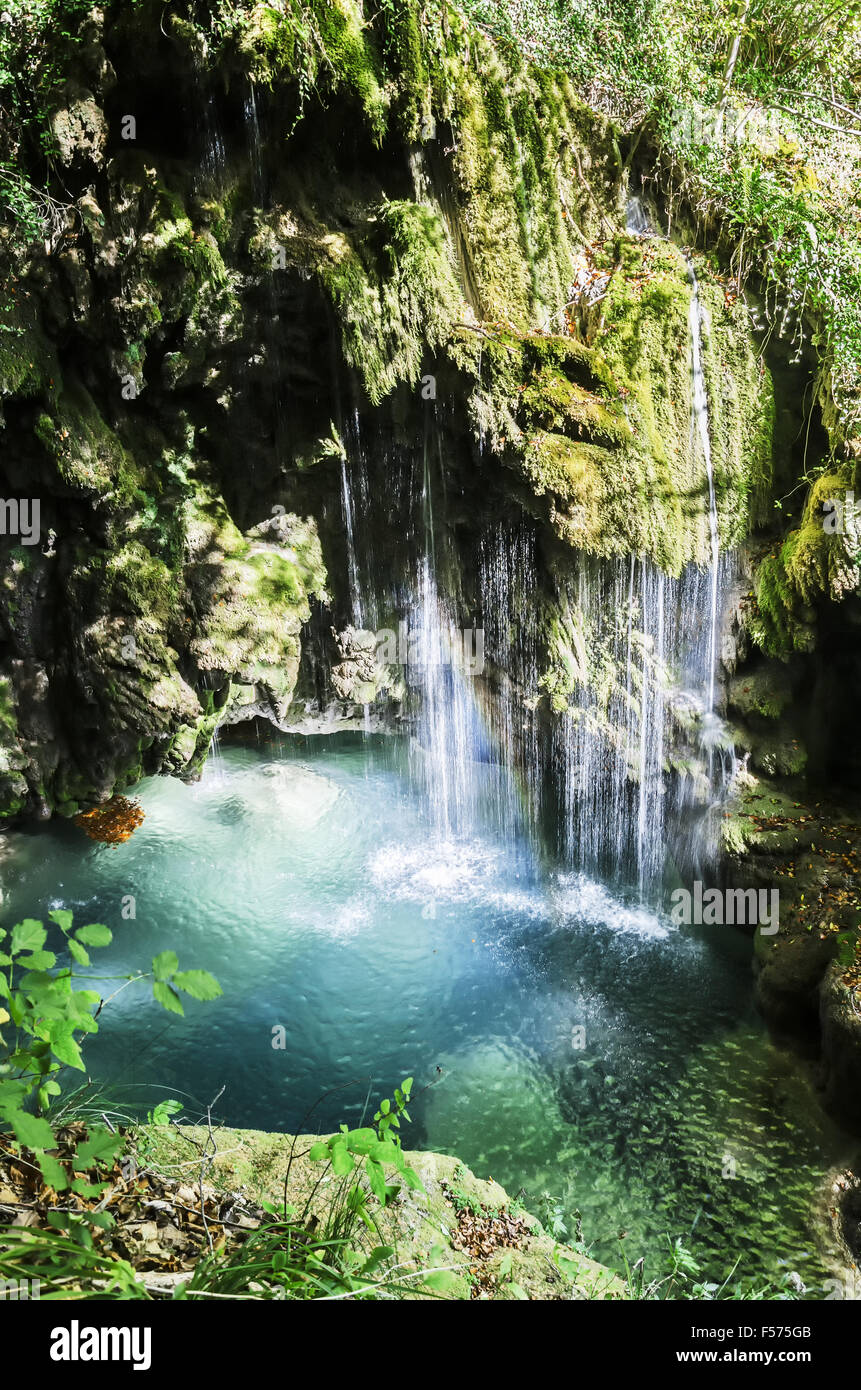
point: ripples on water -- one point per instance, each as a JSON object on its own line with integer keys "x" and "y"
{"x": 306, "y": 878}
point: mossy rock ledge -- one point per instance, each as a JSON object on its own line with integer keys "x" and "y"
{"x": 255, "y": 1162}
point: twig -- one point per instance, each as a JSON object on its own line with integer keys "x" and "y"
{"x": 207, "y": 1158}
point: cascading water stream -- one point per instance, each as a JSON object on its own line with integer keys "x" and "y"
{"x": 252, "y": 125}
{"x": 700, "y": 432}
{"x": 356, "y": 607}
{"x": 446, "y": 726}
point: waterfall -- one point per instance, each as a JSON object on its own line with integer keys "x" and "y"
{"x": 272, "y": 318}
{"x": 252, "y": 126}
{"x": 474, "y": 727}
{"x": 636, "y": 218}
{"x": 508, "y": 689}
{"x": 447, "y": 734}
{"x": 361, "y": 502}
{"x": 700, "y": 432}
{"x": 356, "y": 610}
{"x": 638, "y": 224}
{"x": 622, "y": 753}
{"x": 213, "y": 156}
{"x": 443, "y": 751}
{"x": 213, "y": 768}
{"x": 638, "y": 657}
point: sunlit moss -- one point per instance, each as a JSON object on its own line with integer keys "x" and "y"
{"x": 396, "y": 295}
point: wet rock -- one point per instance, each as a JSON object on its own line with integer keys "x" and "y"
{"x": 80, "y": 129}
{"x": 840, "y": 1013}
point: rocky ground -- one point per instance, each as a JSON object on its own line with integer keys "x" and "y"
{"x": 181, "y": 1193}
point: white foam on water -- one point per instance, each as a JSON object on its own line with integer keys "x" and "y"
{"x": 581, "y": 897}
{"x": 452, "y": 871}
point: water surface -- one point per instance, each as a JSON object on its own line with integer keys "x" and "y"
{"x": 573, "y": 1044}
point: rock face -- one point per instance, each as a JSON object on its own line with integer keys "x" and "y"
{"x": 196, "y": 308}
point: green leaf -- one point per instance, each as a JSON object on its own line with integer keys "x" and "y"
{"x": 37, "y": 960}
{"x": 99, "y": 1145}
{"x": 62, "y": 916}
{"x": 28, "y": 935}
{"x": 342, "y": 1161}
{"x": 164, "y": 964}
{"x": 386, "y": 1151}
{"x": 39, "y": 980}
{"x": 198, "y": 983}
{"x": 32, "y": 1130}
{"x": 87, "y": 1189}
{"x": 13, "y": 1095}
{"x": 361, "y": 1141}
{"x": 94, "y": 935}
{"x": 376, "y": 1179}
{"x": 65, "y": 1049}
{"x": 439, "y": 1279}
{"x": 376, "y": 1258}
{"x": 167, "y": 996}
{"x": 86, "y": 1000}
{"x": 103, "y": 1219}
{"x": 49, "y": 1089}
{"x": 412, "y": 1179}
{"x": 53, "y": 1172}
{"x": 77, "y": 951}
{"x": 161, "y": 1114}
{"x": 318, "y": 1151}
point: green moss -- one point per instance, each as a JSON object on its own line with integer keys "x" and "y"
{"x": 764, "y": 819}
{"x": 178, "y": 244}
{"x": 741, "y": 415}
{"x": 764, "y": 692}
{"x": 140, "y": 582}
{"x": 86, "y": 452}
{"x": 525, "y": 204}
{"x": 325, "y": 46}
{"x": 396, "y": 295}
{"x": 28, "y": 365}
{"x": 8, "y": 713}
{"x": 606, "y": 430}
{"x": 250, "y": 595}
{"x": 353, "y": 60}
{"x": 809, "y": 565}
